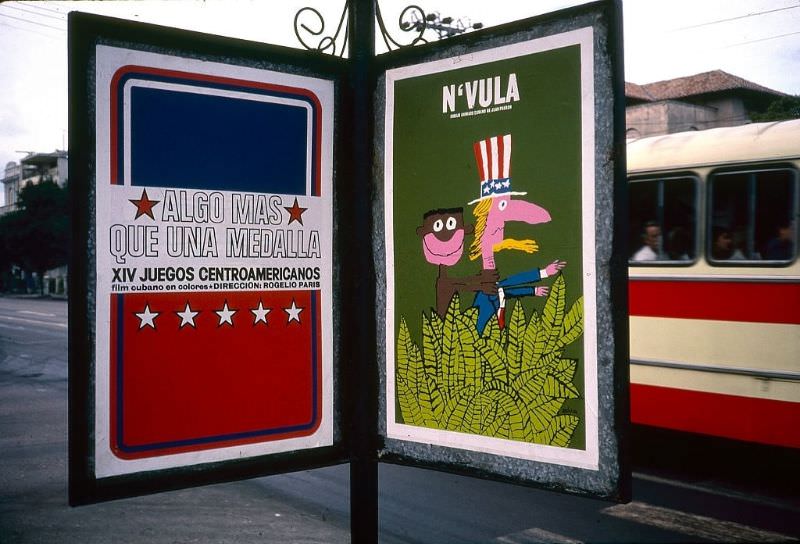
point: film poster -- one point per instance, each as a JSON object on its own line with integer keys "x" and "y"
{"x": 489, "y": 211}
{"x": 213, "y": 232}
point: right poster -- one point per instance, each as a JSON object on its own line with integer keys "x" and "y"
{"x": 489, "y": 207}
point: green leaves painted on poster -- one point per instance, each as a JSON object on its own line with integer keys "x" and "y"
{"x": 508, "y": 383}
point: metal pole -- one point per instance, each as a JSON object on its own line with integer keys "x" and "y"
{"x": 364, "y": 415}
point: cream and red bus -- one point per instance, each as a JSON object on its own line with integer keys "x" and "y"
{"x": 714, "y": 282}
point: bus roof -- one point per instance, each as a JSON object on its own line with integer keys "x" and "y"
{"x": 718, "y": 146}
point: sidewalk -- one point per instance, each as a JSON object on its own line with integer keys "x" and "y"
{"x": 33, "y": 492}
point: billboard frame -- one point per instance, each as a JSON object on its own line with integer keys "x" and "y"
{"x": 86, "y": 32}
{"x": 611, "y": 478}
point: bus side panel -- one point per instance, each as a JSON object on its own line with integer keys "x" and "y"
{"x": 764, "y": 421}
{"x": 717, "y": 357}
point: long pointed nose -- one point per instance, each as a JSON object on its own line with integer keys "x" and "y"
{"x": 528, "y": 212}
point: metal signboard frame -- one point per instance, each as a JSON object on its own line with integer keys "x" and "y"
{"x": 536, "y": 395}
{"x": 186, "y": 266}
{"x": 394, "y": 151}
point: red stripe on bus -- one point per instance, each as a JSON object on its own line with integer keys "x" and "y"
{"x": 725, "y": 301}
{"x": 750, "y": 419}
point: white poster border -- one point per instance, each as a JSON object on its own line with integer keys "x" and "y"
{"x": 109, "y": 60}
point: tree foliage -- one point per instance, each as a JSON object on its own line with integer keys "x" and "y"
{"x": 35, "y": 237}
{"x": 785, "y": 107}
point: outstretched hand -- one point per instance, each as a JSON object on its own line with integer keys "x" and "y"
{"x": 553, "y": 268}
{"x": 541, "y": 291}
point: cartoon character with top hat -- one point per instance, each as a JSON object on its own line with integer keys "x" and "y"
{"x": 493, "y": 209}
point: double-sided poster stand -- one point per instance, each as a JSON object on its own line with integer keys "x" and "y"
{"x": 284, "y": 260}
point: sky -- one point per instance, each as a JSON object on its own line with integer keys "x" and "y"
{"x": 758, "y": 40}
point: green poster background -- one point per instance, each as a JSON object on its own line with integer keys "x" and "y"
{"x": 434, "y": 167}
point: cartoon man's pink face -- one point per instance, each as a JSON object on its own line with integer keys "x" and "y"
{"x": 505, "y": 209}
{"x": 443, "y": 233}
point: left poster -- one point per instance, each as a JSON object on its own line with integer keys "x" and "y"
{"x": 212, "y": 222}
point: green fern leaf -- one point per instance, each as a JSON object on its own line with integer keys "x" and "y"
{"x": 516, "y": 340}
{"x": 470, "y": 359}
{"x": 529, "y": 384}
{"x": 409, "y": 404}
{"x": 559, "y": 432}
{"x": 471, "y": 313}
{"x": 498, "y": 428}
{"x": 543, "y": 412}
{"x": 494, "y": 357}
{"x": 430, "y": 401}
{"x": 553, "y": 313}
{"x": 477, "y": 412}
{"x": 492, "y": 330}
{"x": 455, "y": 413}
{"x": 557, "y": 389}
{"x": 403, "y": 339}
{"x": 431, "y": 348}
{"x": 529, "y": 340}
{"x": 437, "y": 324}
{"x": 450, "y": 347}
{"x": 565, "y": 370}
{"x": 572, "y": 328}
{"x": 512, "y": 410}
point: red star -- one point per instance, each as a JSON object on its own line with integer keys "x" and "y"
{"x": 144, "y": 206}
{"x": 295, "y": 212}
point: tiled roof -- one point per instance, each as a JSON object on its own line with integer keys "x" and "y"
{"x": 682, "y": 87}
{"x": 632, "y": 90}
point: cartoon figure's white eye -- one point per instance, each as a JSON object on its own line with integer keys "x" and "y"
{"x": 451, "y": 223}
{"x": 502, "y": 205}
{"x": 437, "y": 226}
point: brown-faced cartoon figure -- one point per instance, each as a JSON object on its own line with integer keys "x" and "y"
{"x": 443, "y": 235}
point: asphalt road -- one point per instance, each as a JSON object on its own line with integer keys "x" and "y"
{"x": 684, "y": 490}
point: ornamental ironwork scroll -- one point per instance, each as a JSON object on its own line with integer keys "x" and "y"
{"x": 326, "y": 44}
{"x": 309, "y": 27}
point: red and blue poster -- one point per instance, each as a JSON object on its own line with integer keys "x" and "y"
{"x": 213, "y": 230}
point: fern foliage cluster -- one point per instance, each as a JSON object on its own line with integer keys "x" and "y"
{"x": 507, "y": 383}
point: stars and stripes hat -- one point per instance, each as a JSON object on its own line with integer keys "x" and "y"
{"x": 493, "y": 157}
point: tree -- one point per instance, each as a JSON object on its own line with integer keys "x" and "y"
{"x": 785, "y": 107}
{"x": 35, "y": 237}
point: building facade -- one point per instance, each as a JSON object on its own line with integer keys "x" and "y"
{"x": 34, "y": 168}
{"x": 702, "y": 101}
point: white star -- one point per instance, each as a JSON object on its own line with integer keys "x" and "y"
{"x": 260, "y": 313}
{"x": 293, "y": 312}
{"x": 147, "y": 318}
{"x": 187, "y": 316}
{"x": 225, "y": 315}
{"x": 507, "y": 183}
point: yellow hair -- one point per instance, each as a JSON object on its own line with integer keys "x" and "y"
{"x": 481, "y": 212}
{"x": 528, "y": 246}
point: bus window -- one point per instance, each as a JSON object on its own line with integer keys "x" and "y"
{"x": 663, "y": 220}
{"x": 752, "y": 216}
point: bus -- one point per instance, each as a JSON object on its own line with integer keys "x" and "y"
{"x": 714, "y": 282}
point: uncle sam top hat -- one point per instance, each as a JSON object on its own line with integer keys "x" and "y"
{"x": 493, "y": 156}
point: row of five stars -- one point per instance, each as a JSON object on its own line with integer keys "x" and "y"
{"x": 147, "y": 317}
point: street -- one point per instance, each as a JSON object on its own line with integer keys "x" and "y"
{"x": 747, "y": 495}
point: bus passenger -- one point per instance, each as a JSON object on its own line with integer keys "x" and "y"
{"x": 722, "y": 248}
{"x": 780, "y": 248}
{"x": 679, "y": 244}
{"x": 651, "y": 238}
